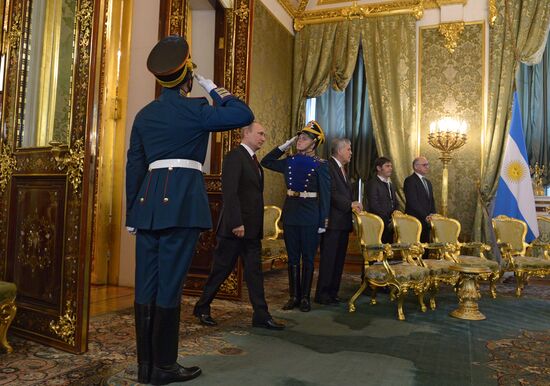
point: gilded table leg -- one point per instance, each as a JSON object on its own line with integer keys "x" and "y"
{"x": 468, "y": 295}
{"x": 400, "y": 298}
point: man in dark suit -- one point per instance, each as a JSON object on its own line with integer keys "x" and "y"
{"x": 381, "y": 196}
{"x": 166, "y": 200}
{"x": 240, "y": 229}
{"x": 334, "y": 242}
{"x": 419, "y": 195}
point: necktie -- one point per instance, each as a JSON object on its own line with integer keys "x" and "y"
{"x": 425, "y": 185}
{"x": 257, "y": 163}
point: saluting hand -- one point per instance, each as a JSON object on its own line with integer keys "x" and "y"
{"x": 288, "y": 143}
{"x": 206, "y": 83}
{"x": 239, "y": 231}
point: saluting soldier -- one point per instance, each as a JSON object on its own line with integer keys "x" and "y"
{"x": 167, "y": 206}
{"x": 306, "y": 208}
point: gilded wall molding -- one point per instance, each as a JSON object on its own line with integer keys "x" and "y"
{"x": 14, "y": 36}
{"x": 415, "y": 8}
{"x": 73, "y": 161}
{"x": 8, "y": 164}
{"x": 451, "y": 32}
{"x": 65, "y": 328}
{"x": 493, "y": 12}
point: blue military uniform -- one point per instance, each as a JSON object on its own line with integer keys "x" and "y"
{"x": 305, "y": 210}
{"x": 167, "y": 202}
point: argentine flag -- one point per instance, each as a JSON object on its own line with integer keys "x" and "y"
{"x": 515, "y": 192}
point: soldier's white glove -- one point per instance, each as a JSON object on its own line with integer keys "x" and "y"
{"x": 131, "y": 230}
{"x": 206, "y": 83}
{"x": 321, "y": 230}
{"x": 287, "y": 144}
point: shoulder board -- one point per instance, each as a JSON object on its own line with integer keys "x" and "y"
{"x": 319, "y": 159}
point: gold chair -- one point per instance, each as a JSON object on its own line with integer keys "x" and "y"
{"x": 540, "y": 244}
{"x": 273, "y": 245}
{"x": 510, "y": 234}
{"x": 7, "y": 311}
{"x": 446, "y": 230}
{"x": 399, "y": 277}
{"x": 407, "y": 231}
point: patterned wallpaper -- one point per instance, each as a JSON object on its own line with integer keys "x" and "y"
{"x": 451, "y": 84}
{"x": 270, "y": 89}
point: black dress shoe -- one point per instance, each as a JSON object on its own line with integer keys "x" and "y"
{"x": 270, "y": 324}
{"x": 206, "y": 320}
{"x": 174, "y": 373}
{"x": 335, "y": 300}
{"x": 305, "y": 305}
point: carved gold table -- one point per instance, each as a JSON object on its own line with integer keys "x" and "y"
{"x": 468, "y": 292}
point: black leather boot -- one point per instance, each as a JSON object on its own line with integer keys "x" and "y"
{"x": 165, "y": 349}
{"x": 293, "y": 287}
{"x": 307, "y": 279}
{"x": 144, "y": 317}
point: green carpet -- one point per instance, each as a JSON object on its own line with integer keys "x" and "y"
{"x": 329, "y": 346}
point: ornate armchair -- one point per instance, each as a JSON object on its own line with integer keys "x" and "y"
{"x": 399, "y": 277}
{"x": 273, "y": 245}
{"x": 407, "y": 231}
{"x": 510, "y": 234}
{"x": 540, "y": 244}
{"x": 7, "y": 311}
{"x": 446, "y": 230}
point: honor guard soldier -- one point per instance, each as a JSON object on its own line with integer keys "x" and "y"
{"x": 167, "y": 206}
{"x": 306, "y": 208}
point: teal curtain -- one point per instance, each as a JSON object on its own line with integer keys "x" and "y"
{"x": 533, "y": 85}
{"x": 346, "y": 114}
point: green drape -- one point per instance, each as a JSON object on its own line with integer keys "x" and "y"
{"x": 389, "y": 49}
{"x": 533, "y": 86}
{"x": 326, "y": 54}
{"x": 347, "y": 115}
{"x": 323, "y": 54}
{"x": 519, "y": 34}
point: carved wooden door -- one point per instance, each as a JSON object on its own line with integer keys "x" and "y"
{"x": 47, "y": 166}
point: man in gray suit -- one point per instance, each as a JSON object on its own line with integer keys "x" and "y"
{"x": 334, "y": 243}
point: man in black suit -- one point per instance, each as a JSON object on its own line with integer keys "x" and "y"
{"x": 381, "y": 196}
{"x": 334, "y": 242}
{"x": 240, "y": 229}
{"x": 419, "y": 196}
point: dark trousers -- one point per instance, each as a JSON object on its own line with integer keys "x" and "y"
{"x": 387, "y": 235}
{"x": 301, "y": 244}
{"x": 334, "y": 245}
{"x": 225, "y": 257}
{"x": 163, "y": 258}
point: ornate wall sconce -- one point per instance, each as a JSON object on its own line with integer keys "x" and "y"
{"x": 446, "y": 135}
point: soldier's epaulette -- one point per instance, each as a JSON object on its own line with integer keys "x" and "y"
{"x": 319, "y": 159}
{"x": 222, "y": 92}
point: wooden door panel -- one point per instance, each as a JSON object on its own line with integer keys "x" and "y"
{"x": 35, "y": 237}
{"x": 46, "y": 184}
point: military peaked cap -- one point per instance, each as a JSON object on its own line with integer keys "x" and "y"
{"x": 170, "y": 61}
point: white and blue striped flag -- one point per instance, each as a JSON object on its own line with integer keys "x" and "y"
{"x": 515, "y": 191}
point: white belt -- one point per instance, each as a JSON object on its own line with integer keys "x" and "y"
{"x": 176, "y": 163}
{"x": 292, "y": 193}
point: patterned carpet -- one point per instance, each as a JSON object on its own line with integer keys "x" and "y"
{"x": 516, "y": 350}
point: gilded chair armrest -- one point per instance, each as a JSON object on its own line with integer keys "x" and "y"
{"x": 435, "y": 245}
{"x": 375, "y": 247}
{"x": 504, "y": 247}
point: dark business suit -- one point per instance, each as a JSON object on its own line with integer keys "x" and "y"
{"x": 334, "y": 242}
{"x": 420, "y": 203}
{"x": 242, "y": 188}
{"x": 382, "y": 204}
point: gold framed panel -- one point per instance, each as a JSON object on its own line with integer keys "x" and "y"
{"x": 453, "y": 84}
{"x": 64, "y": 325}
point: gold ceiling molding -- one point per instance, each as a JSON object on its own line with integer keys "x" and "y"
{"x": 451, "y": 32}
{"x": 415, "y": 7}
